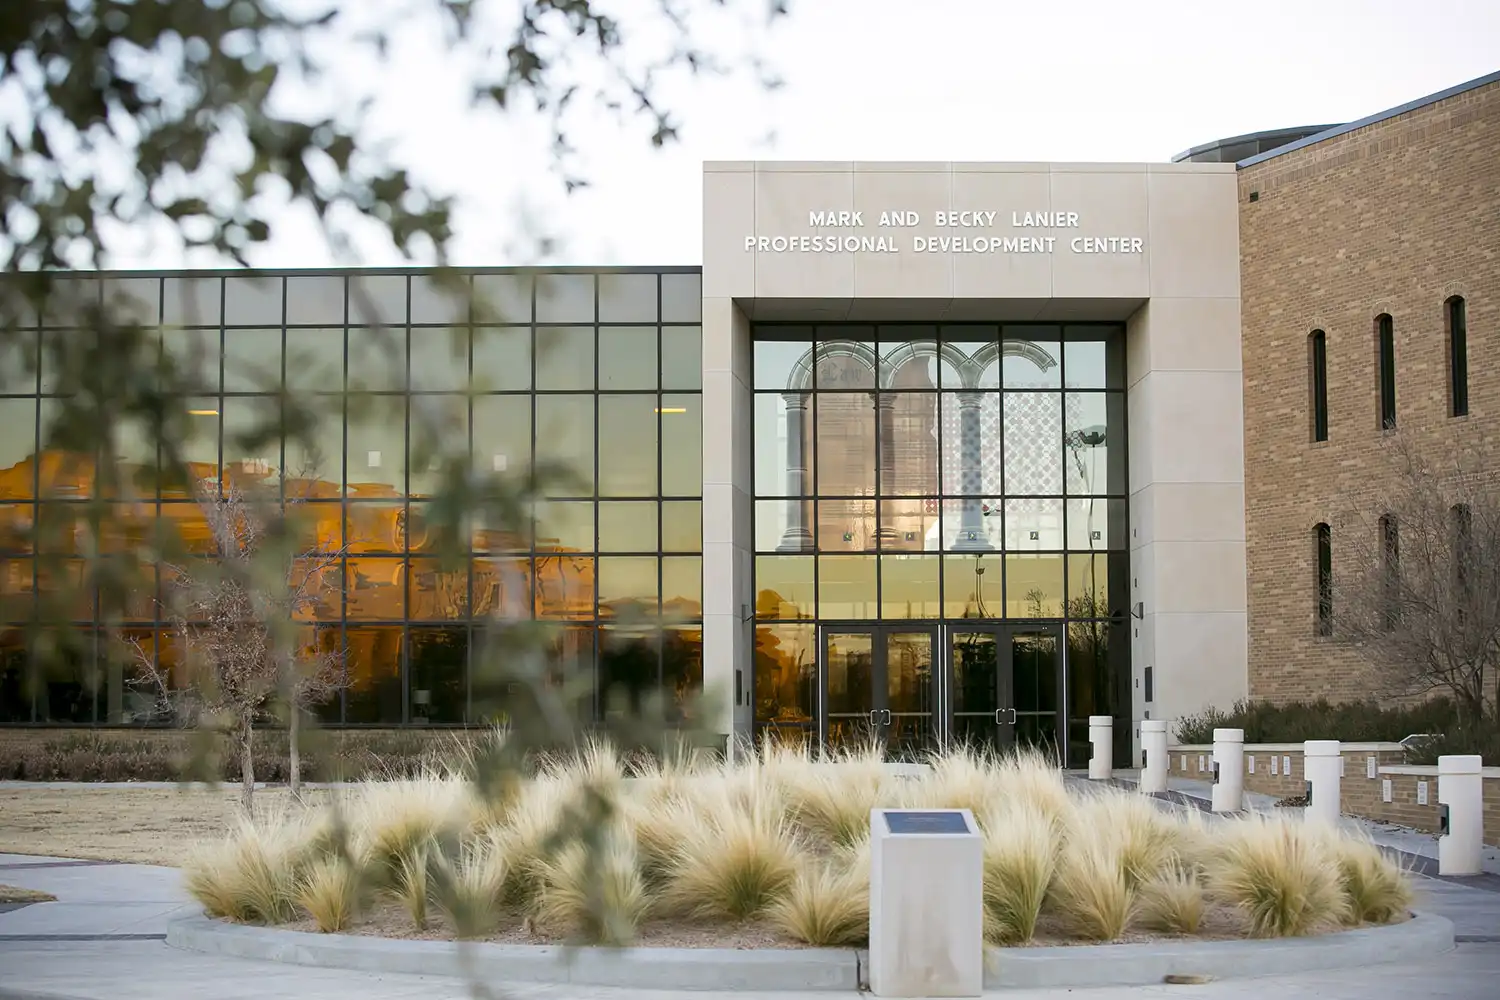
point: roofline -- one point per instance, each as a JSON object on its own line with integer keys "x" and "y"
{"x": 353, "y": 271}
{"x": 1266, "y": 134}
{"x": 1381, "y": 116}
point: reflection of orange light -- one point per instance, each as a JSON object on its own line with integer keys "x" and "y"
{"x": 671, "y": 409}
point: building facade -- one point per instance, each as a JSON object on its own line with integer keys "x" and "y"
{"x": 929, "y": 451}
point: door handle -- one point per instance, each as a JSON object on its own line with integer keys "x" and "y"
{"x": 999, "y": 721}
{"x": 887, "y": 713}
{"x": 1012, "y": 717}
{"x": 873, "y": 713}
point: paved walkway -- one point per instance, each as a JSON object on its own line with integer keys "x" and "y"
{"x": 104, "y": 940}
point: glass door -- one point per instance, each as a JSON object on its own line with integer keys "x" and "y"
{"x": 879, "y": 683}
{"x": 1006, "y": 686}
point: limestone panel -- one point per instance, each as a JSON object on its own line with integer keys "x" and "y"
{"x": 728, "y": 217}
{"x": 1001, "y": 275}
{"x": 1194, "y": 235}
{"x": 1110, "y": 204}
{"x": 890, "y": 195}
{"x": 784, "y": 200}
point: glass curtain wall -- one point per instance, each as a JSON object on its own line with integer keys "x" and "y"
{"x": 922, "y": 474}
{"x": 598, "y": 371}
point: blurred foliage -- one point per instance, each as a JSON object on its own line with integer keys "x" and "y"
{"x": 205, "y": 119}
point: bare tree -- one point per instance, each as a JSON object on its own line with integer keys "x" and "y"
{"x": 1415, "y": 588}
{"x": 238, "y": 615}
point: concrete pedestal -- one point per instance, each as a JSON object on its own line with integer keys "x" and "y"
{"x": 1460, "y": 789}
{"x": 926, "y": 903}
{"x": 1154, "y": 754}
{"x": 1229, "y": 770}
{"x": 1101, "y": 735}
{"x": 1320, "y": 761}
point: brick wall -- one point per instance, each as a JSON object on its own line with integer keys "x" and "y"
{"x": 1359, "y": 794}
{"x": 1391, "y": 218}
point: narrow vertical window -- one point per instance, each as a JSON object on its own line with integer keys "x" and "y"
{"x": 1317, "y": 376}
{"x": 1385, "y": 352}
{"x": 1458, "y": 357}
{"x": 1390, "y": 566}
{"x": 1324, "y": 538}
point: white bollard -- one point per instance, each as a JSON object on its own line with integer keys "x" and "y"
{"x": 1228, "y": 793}
{"x": 1154, "y": 752}
{"x": 1102, "y": 736}
{"x": 1461, "y": 815}
{"x": 926, "y": 903}
{"x": 1320, "y": 762}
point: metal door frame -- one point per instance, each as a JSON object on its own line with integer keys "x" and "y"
{"x": 878, "y": 631}
{"x": 1004, "y": 629}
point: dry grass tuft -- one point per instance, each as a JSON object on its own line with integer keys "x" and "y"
{"x": 1032, "y": 777}
{"x": 962, "y": 778}
{"x": 1144, "y": 837}
{"x": 1092, "y": 893}
{"x": 251, "y": 876}
{"x": 329, "y": 891}
{"x": 730, "y": 863}
{"x": 603, "y": 902}
{"x": 1020, "y": 859}
{"x": 1281, "y": 873}
{"x": 397, "y": 819}
{"x": 1171, "y": 901}
{"x": 828, "y": 903}
{"x": 471, "y": 891}
{"x": 410, "y": 882}
{"x": 1377, "y": 889}
{"x": 832, "y": 800}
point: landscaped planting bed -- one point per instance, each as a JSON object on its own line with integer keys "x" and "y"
{"x": 774, "y": 852}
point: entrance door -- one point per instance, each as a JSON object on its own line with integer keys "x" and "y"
{"x": 878, "y": 683}
{"x": 1007, "y": 685}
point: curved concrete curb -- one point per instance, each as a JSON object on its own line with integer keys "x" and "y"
{"x": 1424, "y": 936}
{"x": 772, "y": 970}
{"x": 646, "y": 968}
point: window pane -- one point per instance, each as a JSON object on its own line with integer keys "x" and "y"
{"x": 565, "y": 298}
{"x": 784, "y": 443}
{"x": 627, "y": 298}
{"x": 439, "y": 359}
{"x": 252, "y": 438}
{"x": 133, "y": 300}
{"x": 377, "y": 299}
{"x": 200, "y": 448}
{"x": 973, "y": 524}
{"x": 627, "y": 446}
{"x": 374, "y": 679}
{"x": 784, "y": 525}
{"x": 564, "y": 585}
{"x": 784, "y": 586}
{"x": 846, "y": 525}
{"x": 376, "y": 588}
{"x": 502, "y": 298}
{"x": 786, "y": 673}
{"x": 437, "y": 591}
{"x": 681, "y": 298}
{"x": 971, "y": 445}
{"x": 1094, "y": 358}
{"x": 252, "y": 360}
{"x": 317, "y": 301}
{"x": 909, "y": 525}
{"x": 627, "y": 582}
{"x": 682, "y": 586}
{"x": 972, "y": 586}
{"x": 1033, "y": 525}
{"x": 1033, "y": 443}
{"x": 909, "y": 432}
{"x": 194, "y": 355}
{"x": 682, "y": 526}
{"x": 909, "y": 587}
{"x": 17, "y": 446}
{"x": 1097, "y": 524}
{"x": 375, "y": 526}
{"x": 783, "y": 365}
{"x": 627, "y": 527}
{"x": 18, "y": 359}
{"x": 847, "y": 362}
{"x": 565, "y": 525}
{"x": 565, "y": 357}
{"x": 376, "y": 459}
{"x": 315, "y": 360}
{"x": 502, "y": 586}
{"x": 970, "y": 358}
{"x": 377, "y": 358}
{"x": 846, "y": 444}
{"x": 1096, "y": 421}
{"x": 439, "y": 660}
{"x": 682, "y": 445}
{"x": 908, "y": 357}
{"x": 502, "y": 435}
{"x": 627, "y": 357}
{"x": 681, "y": 667}
{"x": 502, "y": 358}
{"x": 1031, "y": 356}
{"x": 1033, "y": 586}
{"x": 442, "y": 297}
{"x": 566, "y": 424}
{"x": 252, "y": 301}
{"x": 191, "y": 302}
{"x": 315, "y": 456}
{"x": 682, "y": 357}
{"x": 1088, "y": 586}
{"x": 629, "y": 669}
{"x": 438, "y": 433}
{"x": 846, "y": 587}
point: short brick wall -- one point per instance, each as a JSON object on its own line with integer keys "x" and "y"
{"x": 1277, "y": 770}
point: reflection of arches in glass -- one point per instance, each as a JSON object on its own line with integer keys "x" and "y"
{"x": 970, "y": 368}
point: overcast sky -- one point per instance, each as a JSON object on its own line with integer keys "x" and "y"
{"x": 1040, "y": 80}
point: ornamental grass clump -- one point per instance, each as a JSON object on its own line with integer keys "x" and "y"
{"x": 961, "y": 778}
{"x": 1376, "y": 889}
{"x": 1091, "y": 891}
{"x": 730, "y": 863}
{"x": 1144, "y": 837}
{"x": 329, "y": 891}
{"x": 1031, "y": 776}
{"x": 598, "y": 899}
{"x": 828, "y": 903}
{"x": 1281, "y": 873}
{"x": 397, "y": 819}
{"x": 251, "y": 876}
{"x": 1171, "y": 901}
{"x": 470, "y": 891}
{"x": 1020, "y": 858}
{"x": 832, "y": 800}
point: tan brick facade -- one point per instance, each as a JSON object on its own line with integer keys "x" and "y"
{"x": 1393, "y": 217}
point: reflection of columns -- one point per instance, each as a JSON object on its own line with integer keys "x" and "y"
{"x": 885, "y": 431}
{"x": 971, "y": 536}
{"x": 796, "y": 537}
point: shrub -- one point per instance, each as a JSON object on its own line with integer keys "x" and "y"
{"x": 1294, "y": 722}
{"x": 397, "y": 819}
{"x": 251, "y": 876}
{"x": 604, "y": 902}
{"x": 471, "y": 891}
{"x": 1144, "y": 837}
{"x": 329, "y": 891}
{"x": 1280, "y": 873}
{"x": 1091, "y": 891}
{"x": 1171, "y": 901}
{"x": 730, "y": 863}
{"x": 833, "y": 800}
{"x": 1019, "y": 861}
{"x": 408, "y": 880}
{"x": 1377, "y": 889}
{"x": 828, "y": 904}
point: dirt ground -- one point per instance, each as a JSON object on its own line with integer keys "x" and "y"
{"x": 153, "y": 826}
